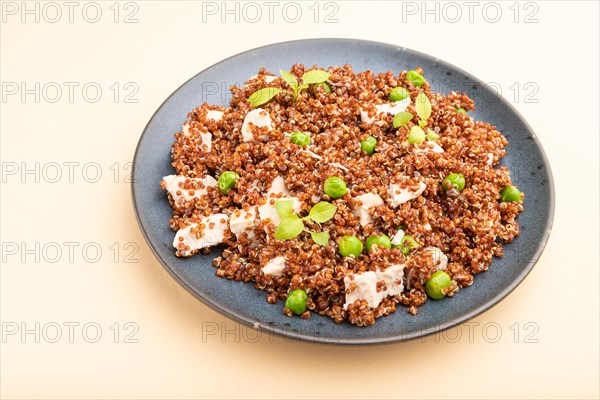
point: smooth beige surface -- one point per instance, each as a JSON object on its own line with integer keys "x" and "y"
{"x": 541, "y": 341}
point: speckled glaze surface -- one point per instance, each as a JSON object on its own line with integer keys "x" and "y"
{"x": 526, "y": 160}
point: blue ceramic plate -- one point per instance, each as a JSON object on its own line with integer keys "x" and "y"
{"x": 243, "y": 303}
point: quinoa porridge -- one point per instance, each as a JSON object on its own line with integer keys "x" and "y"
{"x": 343, "y": 194}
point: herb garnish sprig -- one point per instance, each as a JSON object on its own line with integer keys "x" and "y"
{"x": 417, "y": 134}
{"x": 292, "y": 225}
{"x": 313, "y": 77}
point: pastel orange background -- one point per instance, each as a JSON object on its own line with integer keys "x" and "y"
{"x": 135, "y": 333}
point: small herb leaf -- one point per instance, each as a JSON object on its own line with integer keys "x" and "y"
{"x": 325, "y": 87}
{"x": 402, "y": 118}
{"x": 320, "y": 238}
{"x": 315, "y": 76}
{"x": 289, "y": 228}
{"x": 289, "y": 78}
{"x": 297, "y": 90}
{"x": 284, "y": 208}
{"x": 422, "y": 123}
{"x": 322, "y": 212}
{"x": 431, "y": 135}
{"x": 416, "y": 136}
{"x": 423, "y": 106}
{"x": 262, "y": 96}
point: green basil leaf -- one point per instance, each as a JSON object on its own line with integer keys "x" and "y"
{"x": 325, "y": 87}
{"x": 431, "y": 135}
{"x": 423, "y": 106}
{"x": 416, "y": 136}
{"x": 320, "y": 238}
{"x": 422, "y": 123}
{"x": 315, "y": 76}
{"x": 402, "y": 118}
{"x": 289, "y": 228}
{"x": 298, "y": 89}
{"x": 322, "y": 212}
{"x": 289, "y": 78}
{"x": 262, "y": 96}
{"x": 284, "y": 208}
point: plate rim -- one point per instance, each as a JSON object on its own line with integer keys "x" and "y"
{"x": 401, "y": 337}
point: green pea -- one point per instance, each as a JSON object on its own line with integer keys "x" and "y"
{"x": 510, "y": 193}
{"x": 368, "y": 146}
{"x": 335, "y": 187}
{"x": 399, "y": 93}
{"x": 461, "y": 110}
{"x": 407, "y": 244}
{"x": 380, "y": 241}
{"x": 350, "y": 246}
{"x": 454, "y": 181}
{"x": 296, "y": 301}
{"x": 434, "y": 286}
{"x": 227, "y": 181}
{"x": 300, "y": 138}
{"x": 415, "y": 77}
{"x": 416, "y": 135}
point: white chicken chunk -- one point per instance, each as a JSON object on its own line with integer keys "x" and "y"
{"x": 212, "y": 234}
{"x": 257, "y": 117}
{"x": 172, "y": 185}
{"x": 401, "y": 195}
{"x": 367, "y": 200}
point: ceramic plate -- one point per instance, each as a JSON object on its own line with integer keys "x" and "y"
{"x": 241, "y": 302}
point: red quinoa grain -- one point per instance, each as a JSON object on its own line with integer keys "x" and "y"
{"x": 469, "y": 226}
